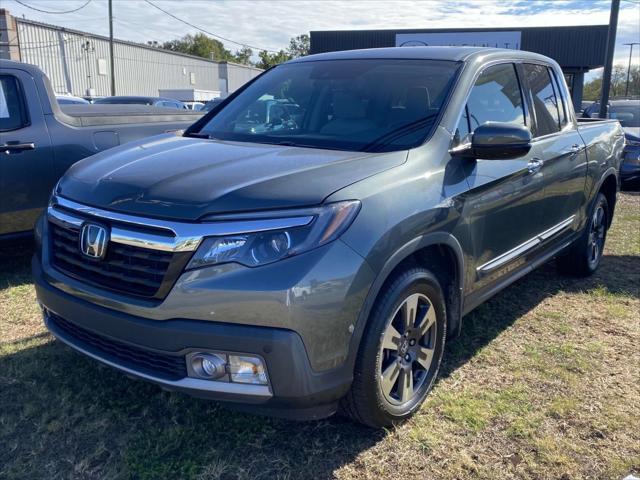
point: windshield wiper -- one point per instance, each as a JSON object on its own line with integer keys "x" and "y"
{"x": 198, "y": 135}
{"x": 399, "y": 132}
{"x": 289, "y": 143}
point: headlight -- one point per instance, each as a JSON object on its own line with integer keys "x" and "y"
{"x": 260, "y": 248}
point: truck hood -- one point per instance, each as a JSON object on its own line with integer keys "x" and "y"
{"x": 187, "y": 178}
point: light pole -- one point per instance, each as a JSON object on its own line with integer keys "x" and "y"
{"x": 626, "y": 90}
{"x": 608, "y": 65}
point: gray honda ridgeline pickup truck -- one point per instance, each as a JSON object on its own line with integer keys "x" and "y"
{"x": 319, "y": 256}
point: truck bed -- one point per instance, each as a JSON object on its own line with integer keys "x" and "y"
{"x": 97, "y": 115}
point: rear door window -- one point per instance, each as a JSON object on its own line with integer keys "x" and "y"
{"x": 12, "y": 112}
{"x": 545, "y": 101}
{"x": 564, "y": 116}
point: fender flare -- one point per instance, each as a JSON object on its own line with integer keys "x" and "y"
{"x": 418, "y": 243}
{"x": 609, "y": 172}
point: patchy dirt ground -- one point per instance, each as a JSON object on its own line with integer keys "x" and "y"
{"x": 543, "y": 384}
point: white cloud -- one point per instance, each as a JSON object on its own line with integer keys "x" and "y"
{"x": 270, "y": 24}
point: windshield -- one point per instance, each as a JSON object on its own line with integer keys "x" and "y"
{"x": 627, "y": 115}
{"x": 360, "y": 105}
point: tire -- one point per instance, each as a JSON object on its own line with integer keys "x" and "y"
{"x": 414, "y": 350}
{"x": 585, "y": 254}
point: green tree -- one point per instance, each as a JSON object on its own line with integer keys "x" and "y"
{"x": 299, "y": 46}
{"x": 200, "y": 45}
{"x": 243, "y": 56}
{"x": 592, "y": 90}
{"x": 268, "y": 60}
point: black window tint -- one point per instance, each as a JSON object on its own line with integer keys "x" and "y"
{"x": 560, "y": 95}
{"x": 496, "y": 97}
{"x": 12, "y": 114}
{"x": 545, "y": 102}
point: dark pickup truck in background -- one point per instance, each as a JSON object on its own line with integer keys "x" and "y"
{"x": 39, "y": 140}
{"x": 627, "y": 112}
{"x": 321, "y": 255}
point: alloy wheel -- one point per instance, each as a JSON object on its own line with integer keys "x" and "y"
{"x": 408, "y": 347}
{"x": 596, "y": 235}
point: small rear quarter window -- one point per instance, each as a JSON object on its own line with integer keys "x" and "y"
{"x": 12, "y": 112}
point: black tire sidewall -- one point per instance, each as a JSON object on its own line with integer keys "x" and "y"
{"x": 416, "y": 280}
{"x": 601, "y": 200}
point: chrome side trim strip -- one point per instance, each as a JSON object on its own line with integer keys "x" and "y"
{"x": 180, "y": 236}
{"x": 525, "y": 246}
{"x": 257, "y": 391}
{"x": 556, "y": 229}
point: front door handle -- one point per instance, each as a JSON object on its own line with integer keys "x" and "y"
{"x": 17, "y": 147}
{"x": 535, "y": 164}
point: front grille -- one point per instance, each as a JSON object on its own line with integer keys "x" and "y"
{"x": 130, "y": 270}
{"x": 170, "y": 367}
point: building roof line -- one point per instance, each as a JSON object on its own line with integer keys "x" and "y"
{"x": 126, "y": 42}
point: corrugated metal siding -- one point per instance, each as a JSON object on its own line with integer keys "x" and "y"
{"x": 238, "y": 75}
{"x": 581, "y": 47}
{"x": 139, "y": 70}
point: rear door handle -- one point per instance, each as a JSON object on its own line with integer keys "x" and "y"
{"x": 17, "y": 147}
{"x": 575, "y": 149}
{"x": 535, "y": 164}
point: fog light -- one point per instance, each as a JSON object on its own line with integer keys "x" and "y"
{"x": 208, "y": 365}
{"x": 246, "y": 369}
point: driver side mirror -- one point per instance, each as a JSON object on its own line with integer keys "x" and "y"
{"x": 496, "y": 141}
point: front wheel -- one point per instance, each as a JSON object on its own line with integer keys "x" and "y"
{"x": 584, "y": 256}
{"x": 401, "y": 351}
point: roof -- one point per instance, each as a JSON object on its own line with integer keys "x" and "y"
{"x": 456, "y": 54}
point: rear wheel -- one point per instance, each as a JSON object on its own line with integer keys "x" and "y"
{"x": 401, "y": 351}
{"x": 585, "y": 254}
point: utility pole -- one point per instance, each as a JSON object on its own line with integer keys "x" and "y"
{"x": 112, "y": 69}
{"x": 608, "y": 66}
{"x": 626, "y": 90}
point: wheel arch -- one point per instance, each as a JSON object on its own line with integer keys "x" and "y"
{"x": 441, "y": 253}
{"x": 609, "y": 188}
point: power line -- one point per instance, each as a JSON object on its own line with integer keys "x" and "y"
{"x": 54, "y": 12}
{"x": 207, "y": 32}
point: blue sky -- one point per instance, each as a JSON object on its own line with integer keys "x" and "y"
{"x": 269, "y": 24}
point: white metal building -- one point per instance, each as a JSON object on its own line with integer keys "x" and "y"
{"x": 78, "y": 62}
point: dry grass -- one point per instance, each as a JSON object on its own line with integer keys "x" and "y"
{"x": 543, "y": 384}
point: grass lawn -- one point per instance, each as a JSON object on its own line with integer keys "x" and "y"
{"x": 544, "y": 383}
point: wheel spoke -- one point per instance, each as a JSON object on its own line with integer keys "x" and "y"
{"x": 405, "y": 385}
{"x": 409, "y": 311}
{"x": 599, "y": 215}
{"x": 428, "y": 320}
{"x": 389, "y": 377}
{"x": 425, "y": 357}
{"x": 391, "y": 338}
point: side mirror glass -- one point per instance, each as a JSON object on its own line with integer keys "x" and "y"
{"x": 496, "y": 141}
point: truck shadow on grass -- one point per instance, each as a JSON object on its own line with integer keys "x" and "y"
{"x": 62, "y": 415}
{"x": 15, "y": 263}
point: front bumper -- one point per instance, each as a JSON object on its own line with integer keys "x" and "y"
{"x": 295, "y": 389}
